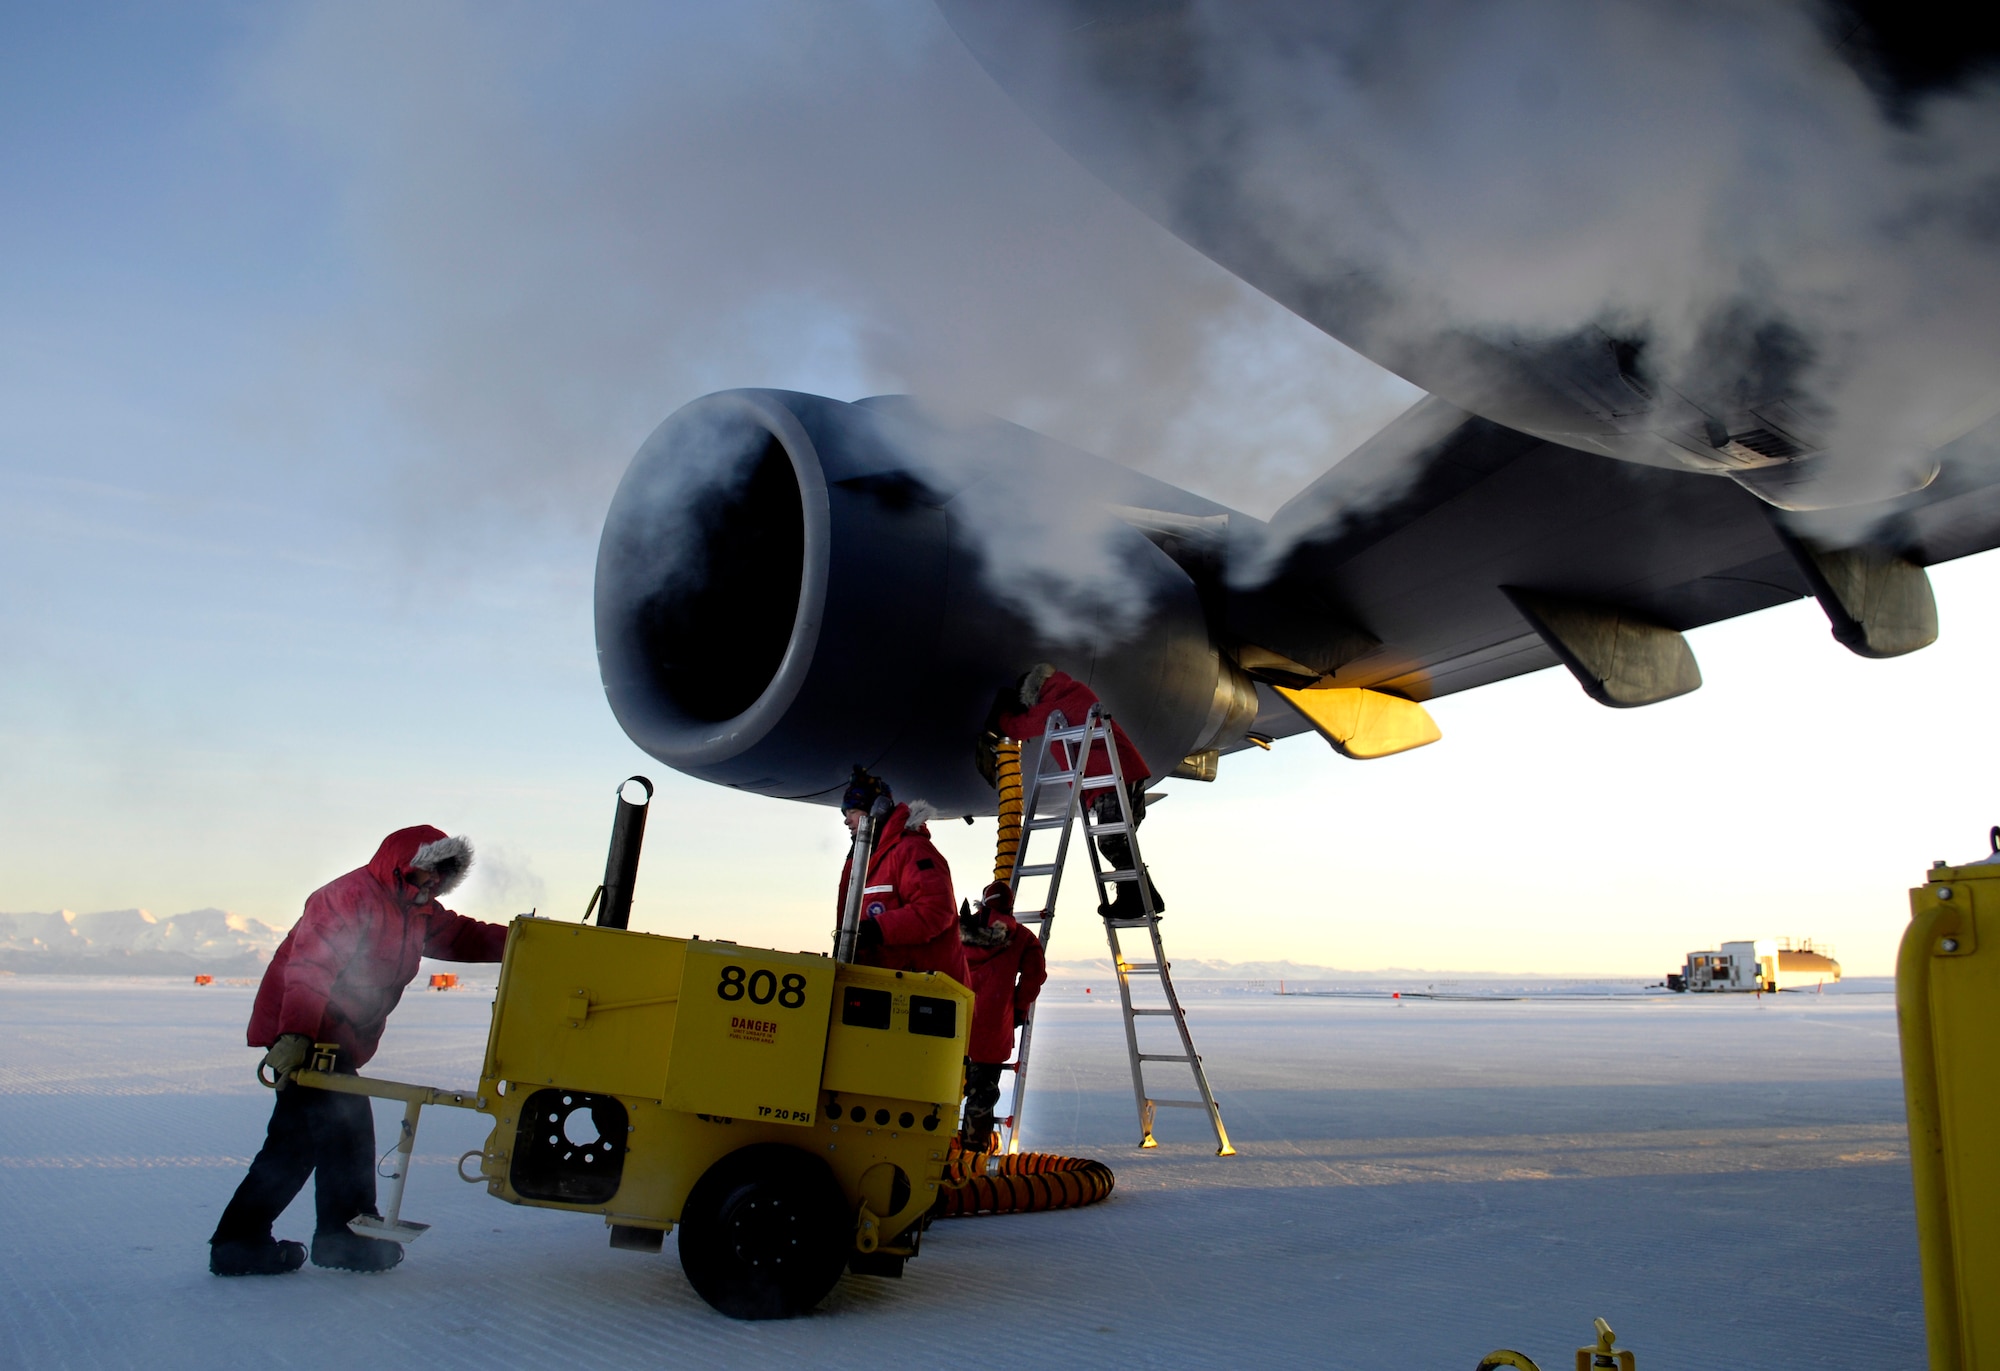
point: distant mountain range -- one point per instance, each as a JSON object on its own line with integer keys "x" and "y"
{"x": 217, "y": 943}
{"x": 135, "y": 941}
{"x": 1209, "y": 968}
{"x": 1306, "y": 973}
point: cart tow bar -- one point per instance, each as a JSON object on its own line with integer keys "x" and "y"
{"x": 320, "y": 1075}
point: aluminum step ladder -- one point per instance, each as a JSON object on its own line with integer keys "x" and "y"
{"x": 1060, "y": 760}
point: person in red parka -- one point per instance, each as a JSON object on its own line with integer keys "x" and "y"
{"x": 1008, "y": 970}
{"x": 334, "y": 979}
{"x": 909, "y": 919}
{"x": 1042, "y": 692}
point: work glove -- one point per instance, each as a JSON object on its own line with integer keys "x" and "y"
{"x": 986, "y": 755}
{"x": 287, "y": 1055}
{"x": 868, "y": 937}
{"x": 968, "y": 921}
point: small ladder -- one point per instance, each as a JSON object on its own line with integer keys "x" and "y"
{"x": 1060, "y": 763}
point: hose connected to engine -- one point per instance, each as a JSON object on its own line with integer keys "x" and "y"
{"x": 1007, "y": 780}
{"x": 1026, "y": 1183}
{"x": 1022, "y": 1182}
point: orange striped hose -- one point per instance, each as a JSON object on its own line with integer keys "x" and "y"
{"x": 1007, "y": 780}
{"x": 1025, "y": 1183}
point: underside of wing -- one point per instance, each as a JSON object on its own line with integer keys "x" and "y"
{"x": 1450, "y": 552}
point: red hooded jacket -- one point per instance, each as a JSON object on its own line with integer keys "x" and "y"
{"x": 1007, "y": 973}
{"x": 1074, "y": 698}
{"x": 343, "y": 966}
{"x": 909, "y": 895}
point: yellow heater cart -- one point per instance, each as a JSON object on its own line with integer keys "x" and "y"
{"x": 788, "y": 1112}
{"x": 1948, "y": 1014}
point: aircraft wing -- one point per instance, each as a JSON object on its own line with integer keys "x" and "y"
{"x": 1451, "y": 551}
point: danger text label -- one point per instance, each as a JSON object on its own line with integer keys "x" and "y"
{"x": 753, "y": 1030}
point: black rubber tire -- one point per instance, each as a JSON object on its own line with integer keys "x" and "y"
{"x": 765, "y": 1233}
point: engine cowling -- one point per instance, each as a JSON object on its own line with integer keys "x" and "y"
{"x": 788, "y": 585}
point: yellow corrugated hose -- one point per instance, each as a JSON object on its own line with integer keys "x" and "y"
{"x": 1023, "y": 1183}
{"x": 1007, "y": 780}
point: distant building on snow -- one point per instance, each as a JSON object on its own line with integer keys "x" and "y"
{"x": 1766, "y": 964}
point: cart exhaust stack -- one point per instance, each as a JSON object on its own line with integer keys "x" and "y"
{"x": 621, "y": 863}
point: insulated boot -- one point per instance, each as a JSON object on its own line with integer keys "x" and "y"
{"x": 1125, "y": 904}
{"x": 346, "y": 1251}
{"x": 267, "y": 1257}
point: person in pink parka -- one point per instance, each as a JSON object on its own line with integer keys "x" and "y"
{"x": 334, "y": 979}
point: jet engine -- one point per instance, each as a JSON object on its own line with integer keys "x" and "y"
{"x": 789, "y": 585}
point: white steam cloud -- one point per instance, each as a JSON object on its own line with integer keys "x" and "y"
{"x": 564, "y": 225}
{"x": 1452, "y": 185}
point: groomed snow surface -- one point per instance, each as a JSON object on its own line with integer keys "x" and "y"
{"x": 1419, "y": 1182}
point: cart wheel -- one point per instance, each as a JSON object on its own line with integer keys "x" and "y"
{"x": 765, "y": 1233}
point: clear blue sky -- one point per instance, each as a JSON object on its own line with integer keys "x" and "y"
{"x": 325, "y": 331}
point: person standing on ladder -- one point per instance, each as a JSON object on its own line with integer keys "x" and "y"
{"x": 1008, "y": 970}
{"x": 909, "y": 918}
{"x": 1043, "y": 691}
{"x": 334, "y": 979}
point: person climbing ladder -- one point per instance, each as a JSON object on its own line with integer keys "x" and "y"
{"x": 1044, "y": 691}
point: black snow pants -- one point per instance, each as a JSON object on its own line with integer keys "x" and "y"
{"x": 1117, "y": 848}
{"x": 982, "y": 1093}
{"x": 311, "y": 1131}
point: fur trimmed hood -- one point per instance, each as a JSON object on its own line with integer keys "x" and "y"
{"x": 450, "y": 858}
{"x": 921, "y": 813}
{"x": 993, "y": 934}
{"x": 1032, "y": 683}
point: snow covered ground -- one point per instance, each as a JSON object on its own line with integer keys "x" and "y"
{"x": 1724, "y": 1179}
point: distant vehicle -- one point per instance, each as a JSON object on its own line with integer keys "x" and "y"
{"x": 1768, "y": 964}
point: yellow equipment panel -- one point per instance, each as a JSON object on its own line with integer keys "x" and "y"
{"x": 587, "y": 1008}
{"x": 1948, "y": 1015}
{"x": 899, "y": 1033}
{"x": 679, "y": 1053}
{"x": 751, "y": 1034}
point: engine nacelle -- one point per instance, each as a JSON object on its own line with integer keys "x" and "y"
{"x": 788, "y": 585}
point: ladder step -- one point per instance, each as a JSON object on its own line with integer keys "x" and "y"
{"x": 1150, "y": 968}
{"x": 1095, "y": 782}
{"x": 1100, "y": 830}
{"x": 1037, "y": 825}
{"x": 1177, "y": 1104}
{"x": 1022, "y": 873}
{"x": 1152, "y": 1011}
{"x": 1156, "y": 1057}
